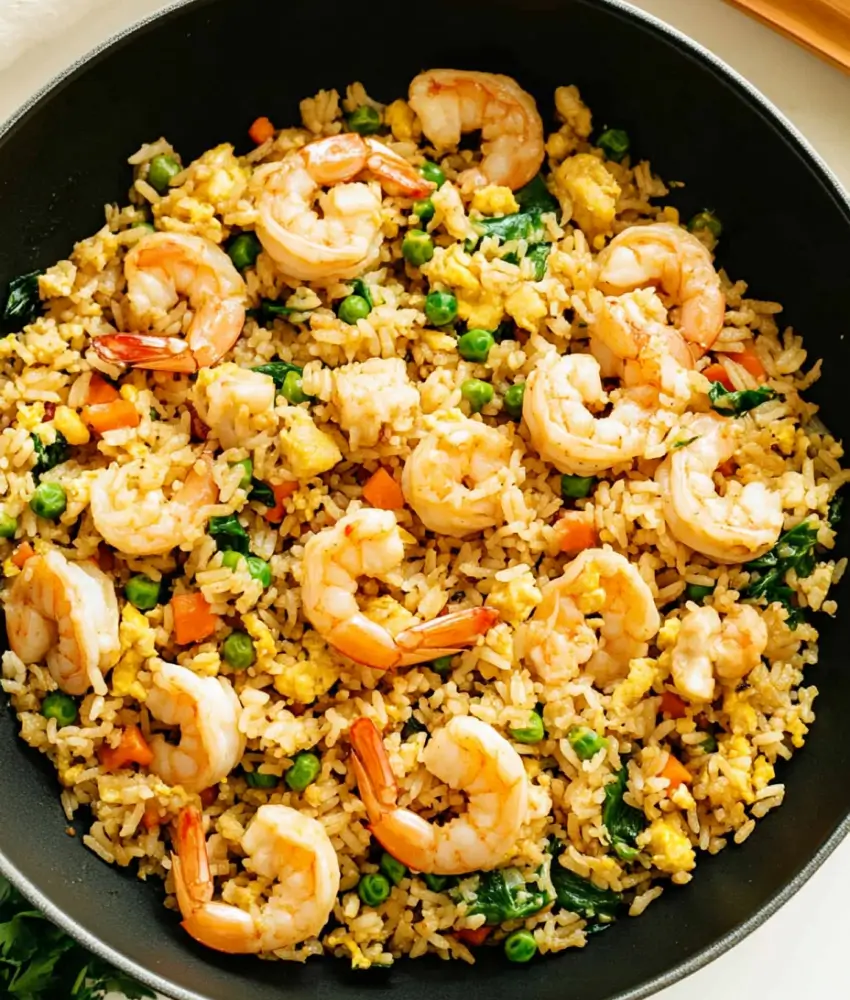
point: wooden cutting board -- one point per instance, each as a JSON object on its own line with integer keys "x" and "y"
{"x": 821, "y": 25}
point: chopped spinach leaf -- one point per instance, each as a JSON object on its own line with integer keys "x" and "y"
{"x": 262, "y": 493}
{"x": 835, "y": 511}
{"x": 738, "y": 402}
{"x": 501, "y": 894}
{"x": 686, "y": 442}
{"x": 580, "y": 895}
{"x": 362, "y": 289}
{"x": 278, "y": 370}
{"x": 519, "y": 226}
{"x": 49, "y": 455}
{"x": 623, "y": 822}
{"x": 536, "y": 197}
{"x": 229, "y": 534}
{"x": 22, "y": 301}
{"x": 794, "y": 550}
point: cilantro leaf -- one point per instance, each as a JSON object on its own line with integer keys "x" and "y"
{"x": 740, "y": 401}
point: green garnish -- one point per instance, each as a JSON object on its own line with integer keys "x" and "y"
{"x": 586, "y": 742}
{"x": 244, "y": 250}
{"x": 623, "y": 822}
{"x": 706, "y": 219}
{"x": 501, "y": 894}
{"x": 393, "y": 869}
{"x": 364, "y": 120}
{"x": 738, "y": 402}
{"x": 794, "y": 550}
{"x": 412, "y": 727}
{"x": 23, "y": 302}
{"x": 580, "y": 895}
{"x": 261, "y": 492}
{"x": 433, "y": 173}
{"x": 685, "y": 442}
{"x": 698, "y": 592}
{"x": 576, "y": 487}
{"x": 373, "y": 889}
{"x": 48, "y": 456}
{"x": 278, "y": 370}
{"x": 614, "y": 143}
{"x": 513, "y": 400}
{"x": 536, "y": 197}
{"x": 229, "y": 534}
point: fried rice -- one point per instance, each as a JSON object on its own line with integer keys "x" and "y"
{"x": 300, "y": 694}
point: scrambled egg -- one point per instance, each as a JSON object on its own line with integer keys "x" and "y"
{"x": 57, "y": 281}
{"x": 785, "y": 435}
{"x": 763, "y": 773}
{"x": 450, "y": 213}
{"x": 30, "y": 415}
{"x": 670, "y": 848}
{"x": 68, "y": 422}
{"x": 588, "y": 193}
{"x": 495, "y": 200}
{"x": 305, "y": 681}
{"x": 640, "y": 679}
{"x": 742, "y": 716}
{"x": 515, "y": 599}
{"x": 402, "y": 121}
{"x": 526, "y": 306}
{"x": 137, "y": 645}
{"x": 308, "y": 450}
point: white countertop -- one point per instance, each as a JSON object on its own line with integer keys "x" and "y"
{"x": 801, "y": 951}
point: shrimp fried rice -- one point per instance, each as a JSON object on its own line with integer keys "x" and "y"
{"x": 410, "y": 545}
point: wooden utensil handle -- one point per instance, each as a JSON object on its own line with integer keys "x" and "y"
{"x": 821, "y": 25}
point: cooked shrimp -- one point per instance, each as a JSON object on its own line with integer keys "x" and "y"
{"x": 668, "y": 257}
{"x": 456, "y": 477}
{"x": 64, "y": 613}
{"x": 347, "y": 239}
{"x": 369, "y": 543}
{"x": 734, "y": 528}
{"x": 470, "y": 757}
{"x": 159, "y": 269}
{"x": 559, "y": 394}
{"x": 131, "y": 513}
{"x": 233, "y": 401}
{"x": 207, "y": 711}
{"x": 289, "y": 849}
{"x": 450, "y": 102}
{"x": 708, "y": 646}
{"x": 560, "y": 637}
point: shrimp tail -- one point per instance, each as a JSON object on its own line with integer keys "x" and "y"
{"x": 223, "y": 928}
{"x": 143, "y": 350}
{"x": 191, "y": 862}
{"x": 364, "y": 641}
{"x": 397, "y": 176}
{"x": 375, "y": 778}
{"x": 445, "y": 635}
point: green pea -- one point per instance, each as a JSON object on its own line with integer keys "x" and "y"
{"x": 162, "y": 169}
{"x": 440, "y": 308}
{"x": 142, "y": 592}
{"x": 709, "y": 744}
{"x": 696, "y": 592}
{"x": 373, "y": 889}
{"x": 532, "y": 732}
{"x": 244, "y": 250}
{"x": 575, "y": 487}
{"x": 520, "y": 946}
{"x": 393, "y": 869}
{"x": 706, "y": 219}
{"x": 257, "y": 780}
{"x": 147, "y": 226}
{"x": 247, "y": 467}
{"x": 431, "y": 172}
{"x": 477, "y": 393}
{"x": 614, "y": 143}
{"x": 291, "y": 389}
{"x": 417, "y": 247}
{"x": 353, "y": 308}
{"x": 8, "y": 525}
{"x": 259, "y": 570}
{"x": 436, "y": 883}
{"x": 49, "y": 501}
{"x": 304, "y": 771}
{"x": 364, "y": 120}
{"x": 424, "y": 210}
{"x": 475, "y": 345}
{"x": 61, "y": 707}
{"x": 513, "y": 400}
{"x": 238, "y": 650}
{"x": 442, "y": 665}
{"x": 231, "y": 559}
{"x": 585, "y": 742}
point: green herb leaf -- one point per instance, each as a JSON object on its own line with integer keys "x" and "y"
{"x": 278, "y": 370}
{"x": 49, "y": 455}
{"x": 536, "y": 197}
{"x": 794, "y": 550}
{"x": 261, "y": 492}
{"x": 519, "y": 226}
{"x": 229, "y": 534}
{"x": 686, "y": 442}
{"x": 22, "y": 301}
{"x": 622, "y": 821}
{"x": 362, "y": 289}
{"x": 835, "y": 511}
{"x": 738, "y": 402}
{"x": 501, "y": 894}
{"x": 580, "y": 895}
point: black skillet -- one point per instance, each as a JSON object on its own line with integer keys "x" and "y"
{"x": 199, "y": 74}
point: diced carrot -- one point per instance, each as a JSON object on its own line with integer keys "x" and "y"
{"x": 717, "y": 373}
{"x": 750, "y": 360}
{"x": 209, "y": 795}
{"x": 474, "y": 937}
{"x": 100, "y": 391}
{"x": 282, "y": 492}
{"x": 676, "y": 773}
{"x": 193, "y": 620}
{"x": 672, "y": 705}
{"x": 575, "y": 532}
{"x": 23, "y": 552}
{"x": 133, "y": 749}
{"x": 110, "y": 416}
{"x": 383, "y": 492}
{"x": 261, "y": 130}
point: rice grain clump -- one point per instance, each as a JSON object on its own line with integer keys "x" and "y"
{"x": 418, "y": 541}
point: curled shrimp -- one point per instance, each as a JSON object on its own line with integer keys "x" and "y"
{"x": 456, "y": 477}
{"x": 369, "y": 543}
{"x": 559, "y": 394}
{"x": 739, "y": 526}
{"x": 159, "y": 269}
{"x": 708, "y": 645}
{"x": 669, "y": 258}
{"x": 289, "y": 849}
{"x": 450, "y": 102}
{"x": 64, "y": 613}
{"x": 207, "y": 711}
{"x": 230, "y": 399}
{"x": 600, "y": 589}
{"x": 347, "y": 239}
{"x": 131, "y": 513}
{"x": 470, "y": 757}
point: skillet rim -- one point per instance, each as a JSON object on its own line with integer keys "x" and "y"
{"x": 820, "y": 172}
